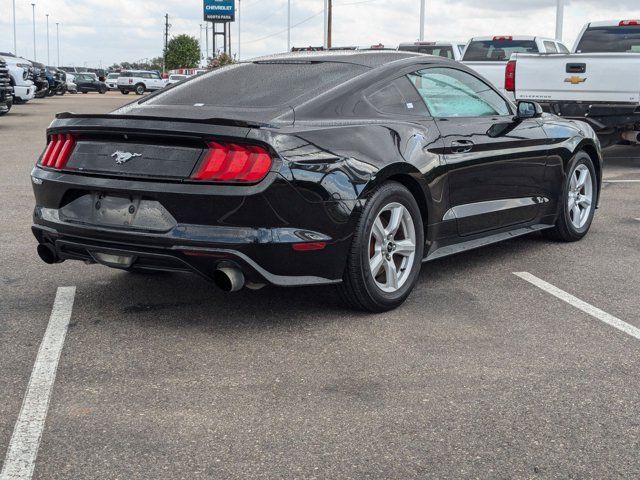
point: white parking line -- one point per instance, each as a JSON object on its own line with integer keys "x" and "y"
{"x": 621, "y": 181}
{"x": 23, "y": 447}
{"x": 579, "y": 304}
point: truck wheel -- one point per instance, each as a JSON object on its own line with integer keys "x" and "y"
{"x": 386, "y": 253}
{"x": 578, "y": 201}
{"x": 124, "y": 92}
{"x": 140, "y": 89}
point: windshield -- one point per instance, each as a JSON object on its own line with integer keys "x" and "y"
{"x": 260, "y": 84}
{"x": 610, "y": 40}
{"x": 497, "y": 50}
{"x": 438, "y": 51}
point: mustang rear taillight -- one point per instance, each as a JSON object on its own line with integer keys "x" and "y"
{"x": 231, "y": 162}
{"x": 58, "y": 151}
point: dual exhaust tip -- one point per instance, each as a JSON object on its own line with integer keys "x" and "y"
{"x": 227, "y": 279}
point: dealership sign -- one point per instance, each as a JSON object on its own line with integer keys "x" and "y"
{"x": 220, "y": 10}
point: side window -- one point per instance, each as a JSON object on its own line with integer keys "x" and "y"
{"x": 155, "y": 76}
{"x": 453, "y": 93}
{"x": 398, "y": 97}
{"x": 550, "y": 47}
{"x": 562, "y": 48}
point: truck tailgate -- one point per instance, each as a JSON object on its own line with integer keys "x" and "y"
{"x": 492, "y": 71}
{"x": 600, "y": 77}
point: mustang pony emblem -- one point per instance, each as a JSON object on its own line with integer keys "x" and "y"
{"x": 575, "y": 80}
{"x": 124, "y": 157}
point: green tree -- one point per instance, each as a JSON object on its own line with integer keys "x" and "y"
{"x": 183, "y": 51}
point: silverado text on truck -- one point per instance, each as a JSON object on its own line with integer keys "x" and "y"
{"x": 489, "y": 55}
{"x": 599, "y": 83}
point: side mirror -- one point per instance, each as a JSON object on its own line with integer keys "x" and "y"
{"x": 528, "y": 109}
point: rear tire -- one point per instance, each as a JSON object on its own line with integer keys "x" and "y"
{"x": 578, "y": 200}
{"x": 124, "y": 92}
{"x": 385, "y": 258}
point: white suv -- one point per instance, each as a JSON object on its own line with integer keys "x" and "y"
{"x": 139, "y": 81}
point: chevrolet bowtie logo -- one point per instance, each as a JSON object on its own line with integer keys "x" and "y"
{"x": 575, "y": 80}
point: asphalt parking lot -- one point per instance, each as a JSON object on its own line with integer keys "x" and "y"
{"x": 481, "y": 374}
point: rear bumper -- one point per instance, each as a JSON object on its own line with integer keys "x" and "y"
{"x": 254, "y": 231}
{"x": 603, "y": 117}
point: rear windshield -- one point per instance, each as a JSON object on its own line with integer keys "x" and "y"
{"x": 497, "y": 50}
{"x": 260, "y": 84}
{"x": 438, "y": 51}
{"x": 610, "y": 40}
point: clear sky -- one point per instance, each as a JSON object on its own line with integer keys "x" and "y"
{"x": 94, "y": 32}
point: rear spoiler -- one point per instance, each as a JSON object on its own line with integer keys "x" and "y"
{"x": 205, "y": 121}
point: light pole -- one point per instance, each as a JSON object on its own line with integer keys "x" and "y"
{"x": 239, "y": 28}
{"x": 422, "y": 13}
{"x": 326, "y": 23}
{"x": 33, "y": 10}
{"x": 559, "y": 19}
{"x": 58, "y": 42}
{"x": 288, "y": 25}
{"x": 15, "y": 43}
{"x": 48, "y": 51}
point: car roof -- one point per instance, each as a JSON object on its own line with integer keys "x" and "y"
{"x": 371, "y": 59}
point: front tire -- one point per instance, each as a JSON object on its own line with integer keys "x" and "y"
{"x": 578, "y": 200}
{"x": 124, "y": 92}
{"x": 140, "y": 89}
{"x": 386, "y": 254}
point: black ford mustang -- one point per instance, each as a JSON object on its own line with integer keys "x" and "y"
{"x": 309, "y": 169}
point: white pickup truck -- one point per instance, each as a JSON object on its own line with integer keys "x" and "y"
{"x": 489, "y": 55}
{"x": 21, "y": 76}
{"x": 451, "y": 50}
{"x": 598, "y": 83}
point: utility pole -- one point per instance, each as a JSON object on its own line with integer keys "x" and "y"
{"x": 201, "y": 55}
{"x": 559, "y": 19}
{"x": 33, "y": 10}
{"x": 326, "y": 22}
{"x": 239, "y": 29}
{"x": 422, "y": 14}
{"x": 48, "y": 51}
{"x": 206, "y": 34}
{"x": 15, "y": 43}
{"x": 58, "y": 43}
{"x": 166, "y": 43}
{"x": 288, "y": 25}
{"x": 329, "y": 23}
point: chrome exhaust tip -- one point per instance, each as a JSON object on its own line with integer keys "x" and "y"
{"x": 229, "y": 279}
{"x": 48, "y": 254}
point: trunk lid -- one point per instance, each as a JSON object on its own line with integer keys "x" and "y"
{"x": 141, "y": 147}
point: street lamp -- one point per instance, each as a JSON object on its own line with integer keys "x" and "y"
{"x": 559, "y": 19}
{"x": 15, "y": 43}
{"x": 48, "y": 51}
{"x": 33, "y": 9}
{"x": 422, "y": 13}
{"x": 239, "y": 29}
{"x": 288, "y": 25}
{"x": 58, "y": 42}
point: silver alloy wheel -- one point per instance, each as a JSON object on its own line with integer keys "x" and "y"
{"x": 392, "y": 247}
{"x": 580, "y": 196}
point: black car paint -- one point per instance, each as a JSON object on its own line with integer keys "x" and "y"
{"x": 330, "y": 153}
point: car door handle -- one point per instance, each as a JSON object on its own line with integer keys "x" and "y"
{"x": 461, "y": 146}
